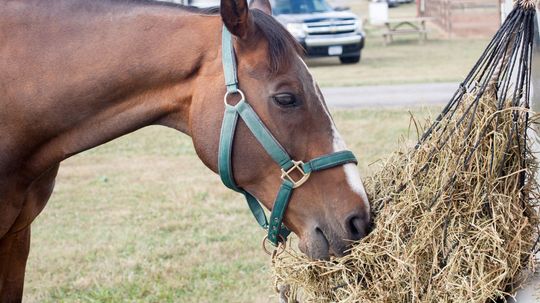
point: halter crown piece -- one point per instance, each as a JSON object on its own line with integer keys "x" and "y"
{"x": 277, "y": 232}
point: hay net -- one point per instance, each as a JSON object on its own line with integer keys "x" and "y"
{"x": 455, "y": 217}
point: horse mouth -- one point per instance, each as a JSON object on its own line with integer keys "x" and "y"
{"x": 316, "y": 246}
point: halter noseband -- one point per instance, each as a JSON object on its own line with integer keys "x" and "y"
{"x": 277, "y": 232}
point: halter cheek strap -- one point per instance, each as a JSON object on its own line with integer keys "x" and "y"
{"x": 277, "y": 232}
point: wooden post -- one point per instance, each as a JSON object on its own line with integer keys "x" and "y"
{"x": 420, "y": 8}
{"x": 448, "y": 17}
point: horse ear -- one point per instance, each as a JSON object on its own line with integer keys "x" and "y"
{"x": 235, "y": 16}
{"x": 263, "y": 5}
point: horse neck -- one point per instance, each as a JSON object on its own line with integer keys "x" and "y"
{"x": 133, "y": 69}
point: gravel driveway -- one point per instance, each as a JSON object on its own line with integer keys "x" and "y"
{"x": 389, "y": 95}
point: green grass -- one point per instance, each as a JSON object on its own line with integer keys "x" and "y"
{"x": 142, "y": 220}
{"x": 405, "y": 61}
{"x": 435, "y": 61}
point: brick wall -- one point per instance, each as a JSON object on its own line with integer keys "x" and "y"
{"x": 465, "y": 17}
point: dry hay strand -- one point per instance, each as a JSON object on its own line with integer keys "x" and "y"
{"x": 455, "y": 219}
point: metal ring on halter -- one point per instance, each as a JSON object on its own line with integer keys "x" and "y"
{"x": 228, "y": 93}
{"x": 278, "y": 250}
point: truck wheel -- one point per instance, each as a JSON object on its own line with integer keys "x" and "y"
{"x": 350, "y": 59}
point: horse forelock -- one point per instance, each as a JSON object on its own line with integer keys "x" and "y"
{"x": 282, "y": 46}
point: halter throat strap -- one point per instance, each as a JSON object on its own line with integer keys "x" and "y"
{"x": 277, "y": 231}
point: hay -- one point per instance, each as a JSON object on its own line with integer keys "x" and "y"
{"x": 455, "y": 217}
{"x": 460, "y": 233}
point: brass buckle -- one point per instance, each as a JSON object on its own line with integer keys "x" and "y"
{"x": 286, "y": 175}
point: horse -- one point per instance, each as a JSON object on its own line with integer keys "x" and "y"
{"x": 77, "y": 74}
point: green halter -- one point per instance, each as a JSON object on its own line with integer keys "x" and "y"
{"x": 277, "y": 232}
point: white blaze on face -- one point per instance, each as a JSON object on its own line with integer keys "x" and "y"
{"x": 351, "y": 172}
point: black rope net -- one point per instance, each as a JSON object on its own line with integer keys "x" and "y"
{"x": 504, "y": 73}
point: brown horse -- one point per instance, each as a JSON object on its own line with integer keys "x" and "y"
{"x": 77, "y": 73}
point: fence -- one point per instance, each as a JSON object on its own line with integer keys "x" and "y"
{"x": 464, "y": 17}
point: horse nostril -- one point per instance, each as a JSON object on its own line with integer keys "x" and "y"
{"x": 357, "y": 227}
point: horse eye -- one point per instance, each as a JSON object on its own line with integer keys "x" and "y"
{"x": 285, "y": 100}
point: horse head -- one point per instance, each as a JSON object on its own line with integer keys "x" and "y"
{"x": 330, "y": 208}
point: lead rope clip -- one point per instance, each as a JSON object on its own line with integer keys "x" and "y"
{"x": 278, "y": 250}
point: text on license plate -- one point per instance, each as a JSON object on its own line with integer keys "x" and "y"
{"x": 335, "y": 50}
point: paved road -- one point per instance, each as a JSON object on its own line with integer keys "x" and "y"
{"x": 390, "y": 95}
{"x": 531, "y": 290}
{"x": 530, "y": 294}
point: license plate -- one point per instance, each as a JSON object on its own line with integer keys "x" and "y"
{"x": 335, "y": 50}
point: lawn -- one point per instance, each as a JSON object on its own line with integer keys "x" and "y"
{"x": 438, "y": 60}
{"x": 142, "y": 220}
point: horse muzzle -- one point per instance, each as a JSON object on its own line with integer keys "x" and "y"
{"x": 321, "y": 242}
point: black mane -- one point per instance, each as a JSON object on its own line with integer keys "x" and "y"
{"x": 281, "y": 44}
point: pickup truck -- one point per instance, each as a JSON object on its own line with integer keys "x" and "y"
{"x": 321, "y": 29}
